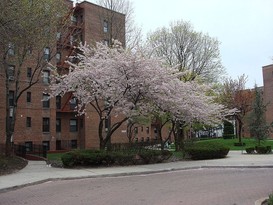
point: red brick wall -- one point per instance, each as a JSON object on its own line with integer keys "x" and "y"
{"x": 86, "y": 136}
{"x": 93, "y": 23}
{"x": 268, "y": 92}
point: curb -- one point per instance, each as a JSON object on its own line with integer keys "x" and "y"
{"x": 260, "y": 201}
{"x": 131, "y": 174}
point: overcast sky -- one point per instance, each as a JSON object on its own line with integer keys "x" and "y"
{"x": 244, "y": 28}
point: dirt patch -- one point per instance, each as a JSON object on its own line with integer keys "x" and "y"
{"x": 9, "y": 165}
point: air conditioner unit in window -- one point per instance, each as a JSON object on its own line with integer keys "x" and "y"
{"x": 11, "y": 78}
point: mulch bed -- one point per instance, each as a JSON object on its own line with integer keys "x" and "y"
{"x": 9, "y": 165}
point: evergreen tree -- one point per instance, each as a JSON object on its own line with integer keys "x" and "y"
{"x": 228, "y": 130}
{"x": 258, "y": 127}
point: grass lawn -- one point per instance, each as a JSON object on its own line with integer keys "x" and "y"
{"x": 55, "y": 156}
{"x": 248, "y": 143}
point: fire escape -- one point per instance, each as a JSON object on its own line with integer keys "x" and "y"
{"x": 66, "y": 51}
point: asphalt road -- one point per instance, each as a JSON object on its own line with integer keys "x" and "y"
{"x": 188, "y": 187}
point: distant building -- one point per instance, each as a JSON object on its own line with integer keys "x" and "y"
{"x": 54, "y": 122}
{"x": 268, "y": 92}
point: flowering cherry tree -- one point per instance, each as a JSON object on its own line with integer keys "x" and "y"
{"x": 187, "y": 102}
{"x": 119, "y": 82}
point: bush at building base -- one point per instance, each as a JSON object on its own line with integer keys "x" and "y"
{"x": 207, "y": 150}
{"x": 259, "y": 150}
{"x": 250, "y": 150}
{"x": 239, "y": 144}
{"x": 103, "y": 158}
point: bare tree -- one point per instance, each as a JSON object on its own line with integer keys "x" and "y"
{"x": 116, "y": 26}
{"x": 192, "y": 51}
{"x": 27, "y": 40}
{"x": 235, "y": 96}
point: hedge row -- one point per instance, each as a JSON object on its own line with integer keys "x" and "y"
{"x": 101, "y": 158}
{"x": 207, "y": 150}
{"x": 259, "y": 150}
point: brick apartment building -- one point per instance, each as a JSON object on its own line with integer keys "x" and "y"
{"x": 268, "y": 92}
{"x": 54, "y": 122}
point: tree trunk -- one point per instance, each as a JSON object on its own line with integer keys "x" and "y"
{"x": 180, "y": 136}
{"x": 10, "y": 121}
{"x": 130, "y": 132}
{"x": 8, "y": 148}
{"x": 102, "y": 144}
{"x": 240, "y": 126}
{"x": 162, "y": 142}
{"x": 106, "y": 141}
{"x": 100, "y": 130}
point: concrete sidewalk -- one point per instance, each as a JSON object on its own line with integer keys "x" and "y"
{"x": 38, "y": 172}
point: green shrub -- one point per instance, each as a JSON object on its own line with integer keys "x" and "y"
{"x": 263, "y": 149}
{"x": 84, "y": 157}
{"x": 239, "y": 144}
{"x": 228, "y": 130}
{"x": 269, "y": 149}
{"x": 250, "y": 150}
{"x": 259, "y": 149}
{"x": 123, "y": 158}
{"x": 154, "y": 156}
{"x": 101, "y": 158}
{"x": 207, "y": 150}
{"x": 270, "y": 199}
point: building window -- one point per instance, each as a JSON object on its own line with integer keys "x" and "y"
{"x": 11, "y": 50}
{"x": 46, "y": 79}
{"x": 11, "y": 98}
{"x": 28, "y": 97}
{"x": 29, "y": 50}
{"x": 29, "y": 73}
{"x": 11, "y": 71}
{"x": 46, "y": 101}
{"x": 155, "y": 133}
{"x": 106, "y": 42}
{"x": 46, "y": 145}
{"x": 136, "y": 130}
{"x": 73, "y": 125}
{"x": 58, "y": 102}
{"x": 58, "y": 57}
{"x": 74, "y": 144}
{"x": 58, "y": 36}
{"x": 74, "y": 19}
{"x": 58, "y": 125}
{"x": 71, "y": 40}
{"x": 28, "y": 122}
{"x": 46, "y": 124}
{"x": 105, "y": 26}
{"x": 58, "y": 144}
{"x": 46, "y": 54}
{"x": 29, "y": 146}
{"x": 147, "y": 130}
{"x": 73, "y": 103}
